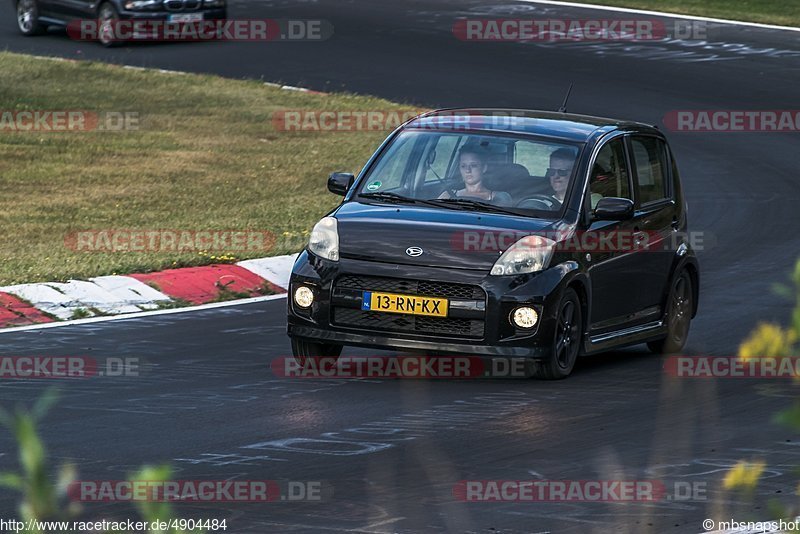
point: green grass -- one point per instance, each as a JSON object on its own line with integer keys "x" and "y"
{"x": 781, "y": 12}
{"x": 205, "y": 157}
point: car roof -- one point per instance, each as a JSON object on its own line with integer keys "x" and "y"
{"x": 567, "y": 126}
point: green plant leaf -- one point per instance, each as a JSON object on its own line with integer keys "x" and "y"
{"x": 11, "y": 480}
{"x": 784, "y": 291}
{"x": 790, "y": 417}
{"x": 45, "y": 402}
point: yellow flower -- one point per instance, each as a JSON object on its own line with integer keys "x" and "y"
{"x": 743, "y": 475}
{"x": 768, "y": 340}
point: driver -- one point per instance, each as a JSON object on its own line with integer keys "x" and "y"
{"x": 561, "y": 163}
{"x": 472, "y": 165}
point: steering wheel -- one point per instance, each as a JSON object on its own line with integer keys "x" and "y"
{"x": 538, "y": 202}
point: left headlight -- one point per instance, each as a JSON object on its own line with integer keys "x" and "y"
{"x": 528, "y": 255}
{"x": 142, "y": 4}
{"x": 324, "y": 240}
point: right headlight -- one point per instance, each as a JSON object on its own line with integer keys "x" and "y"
{"x": 324, "y": 240}
{"x": 528, "y": 255}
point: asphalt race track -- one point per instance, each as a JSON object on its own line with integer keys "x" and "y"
{"x": 389, "y": 452}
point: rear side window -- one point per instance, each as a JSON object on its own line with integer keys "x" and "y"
{"x": 650, "y": 161}
{"x": 610, "y": 173}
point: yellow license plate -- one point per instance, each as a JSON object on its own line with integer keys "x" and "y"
{"x": 409, "y": 304}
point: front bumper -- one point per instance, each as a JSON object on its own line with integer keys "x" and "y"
{"x": 482, "y": 325}
{"x": 156, "y": 26}
{"x": 220, "y": 13}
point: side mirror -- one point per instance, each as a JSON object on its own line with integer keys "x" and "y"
{"x": 339, "y": 183}
{"x": 613, "y": 209}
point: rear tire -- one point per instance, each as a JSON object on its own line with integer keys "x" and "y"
{"x": 679, "y": 316}
{"x": 28, "y": 18}
{"x": 303, "y": 350}
{"x": 566, "y": 343}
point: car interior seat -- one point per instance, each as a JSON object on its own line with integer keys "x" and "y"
{"x": 512, "y": 178}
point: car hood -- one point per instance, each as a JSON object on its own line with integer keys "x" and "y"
{"x": 448, "y": 238}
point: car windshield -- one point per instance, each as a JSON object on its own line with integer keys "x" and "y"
{"x": 506, "y": 174}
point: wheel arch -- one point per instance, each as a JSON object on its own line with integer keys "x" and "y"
{"x": 694, "y": 274}
{"x": 578, "y": 284}
{"x": 100, "y": 3}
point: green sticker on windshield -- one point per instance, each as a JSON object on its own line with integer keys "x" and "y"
{"x": 374, "y": 186}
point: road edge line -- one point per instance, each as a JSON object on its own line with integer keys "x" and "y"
{"x": 602, "y": 7}
{"x": 144, "y": 314}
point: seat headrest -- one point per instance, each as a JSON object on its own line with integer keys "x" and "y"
{"x": 505, "y": 176}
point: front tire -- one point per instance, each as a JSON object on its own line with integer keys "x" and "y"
{"x": 28, "y": 18}
{"x": 679, "y": 316}
{"x": 107, "y": 19}
{"x": 567, "y": 340}
{"x": 303, "y": 350}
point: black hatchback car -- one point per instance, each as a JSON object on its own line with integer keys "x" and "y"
{"x": 34, "y": 16}
{"x": 502, "y": 233}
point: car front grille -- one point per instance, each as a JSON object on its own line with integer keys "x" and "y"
{"x": 412, "y": 287}
{"x": 182, "y": 5}
{"x": 419, "y": 324}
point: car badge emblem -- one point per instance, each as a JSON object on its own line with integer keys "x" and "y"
{"x": 414, "y": 251}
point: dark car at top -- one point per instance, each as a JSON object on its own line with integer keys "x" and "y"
{"x": 502, "y": 233}
{"x": 34, "y": 16}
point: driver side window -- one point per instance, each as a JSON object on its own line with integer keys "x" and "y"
{"x": 394, "y": 174}
{"x": 609, "y": 176}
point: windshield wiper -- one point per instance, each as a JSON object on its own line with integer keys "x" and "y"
{"x": 475, "y": 205}
{"x": 388, "y": 196}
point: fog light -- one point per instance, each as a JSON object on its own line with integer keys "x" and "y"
{"x": 303, "y": 297}
{"x": 525, "y": 317}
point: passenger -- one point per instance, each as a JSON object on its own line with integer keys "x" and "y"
{"x": 561, "y": 163}
{"x": 472, "y": 165}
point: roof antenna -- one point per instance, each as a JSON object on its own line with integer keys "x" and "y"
{"x": 563, "y": 108}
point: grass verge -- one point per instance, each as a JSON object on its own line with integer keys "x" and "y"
{"x": 205, "y": 156}
{"x": 777, "y": 12}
